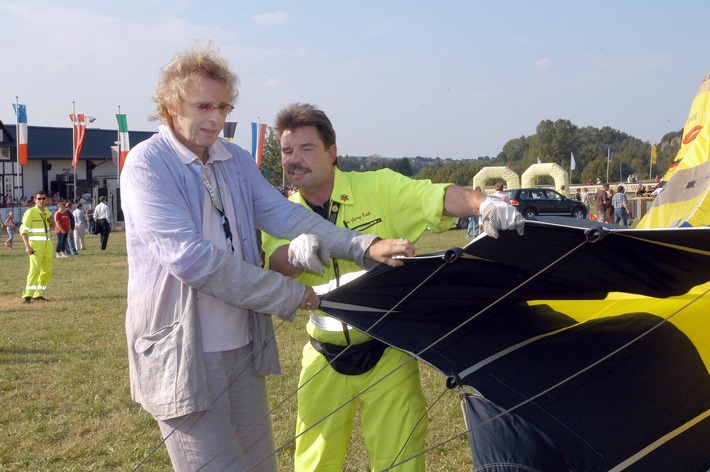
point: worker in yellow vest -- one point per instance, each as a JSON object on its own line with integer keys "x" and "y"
{"x": 36, "y": 223}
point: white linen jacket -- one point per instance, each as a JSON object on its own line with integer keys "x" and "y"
{"x": 169, "y": 262}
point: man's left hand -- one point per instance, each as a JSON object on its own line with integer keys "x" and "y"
{"x": 309, "y": 252}
{"x": 497, "y": 215}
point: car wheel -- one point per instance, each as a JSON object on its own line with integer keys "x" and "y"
{"x": 579, "y": 214}
{"x": 529, "y": 213}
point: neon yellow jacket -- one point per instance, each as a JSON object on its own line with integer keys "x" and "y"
{"x": 36, "y": 223}
{"x": 382, "y": 202}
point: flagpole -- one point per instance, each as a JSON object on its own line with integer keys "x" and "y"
{"x": 118, "y": 162}
{"x": 17, "y": 145}
{"x": 650, "y": 164}
{"x": 118, "y": 173}
{"x": 74, "y": 121}
{"x": 608, "y": 160}
{"x": 258, "y": 139}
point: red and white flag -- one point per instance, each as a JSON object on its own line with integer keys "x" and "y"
{"x": 79, "y": 130}
{"x": 21, "y": 132}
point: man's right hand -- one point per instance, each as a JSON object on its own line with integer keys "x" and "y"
{"x": 310, "y": 300}
{"x": 390, "y": 251}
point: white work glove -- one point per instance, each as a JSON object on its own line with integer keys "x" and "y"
{"x": 309, "y": 252}
{"x": 497, "y": 215}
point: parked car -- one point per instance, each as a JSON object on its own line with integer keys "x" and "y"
{"x": 532, "y": 202}
{"x": 461, "y": 223}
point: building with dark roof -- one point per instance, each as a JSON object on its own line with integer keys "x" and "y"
{"x": 49, "y": 167}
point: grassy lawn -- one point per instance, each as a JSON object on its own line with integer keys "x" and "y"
{"x": 64, "y": 394}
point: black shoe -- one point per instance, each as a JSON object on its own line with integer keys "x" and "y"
{"x": 40, "y": 299}
{"x": 26, "y": 300}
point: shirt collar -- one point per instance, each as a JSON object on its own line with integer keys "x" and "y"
{"x": 217, "y": 151}
{"x": 342, "y": 192}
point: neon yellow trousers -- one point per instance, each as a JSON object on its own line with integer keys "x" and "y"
{"x": 40, "y": 269}
{"x": 392, "y": 412}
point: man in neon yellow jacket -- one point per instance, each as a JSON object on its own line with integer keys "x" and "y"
{"x": 389, "y": 205}
{"x": 36, "y": 223}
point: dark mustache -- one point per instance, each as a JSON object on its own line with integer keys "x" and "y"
{"x": 294, "y": 167}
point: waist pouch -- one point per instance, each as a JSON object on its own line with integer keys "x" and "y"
{"x": 356, "y": 359}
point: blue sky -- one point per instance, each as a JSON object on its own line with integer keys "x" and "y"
{"x": 454, "y": 79}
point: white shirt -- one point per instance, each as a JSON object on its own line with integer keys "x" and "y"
{"x": 102, "y": 211}
{"x": 223, "y": 327}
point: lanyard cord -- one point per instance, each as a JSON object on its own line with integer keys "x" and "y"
{"x": 216, "y": 203}
{"x": 333, "y": 218}
{"x": 44, "y": 221}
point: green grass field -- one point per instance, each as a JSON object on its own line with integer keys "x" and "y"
{"x": 64, "y": 393}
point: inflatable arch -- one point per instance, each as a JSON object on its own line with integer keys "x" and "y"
{"x": 510, "y": 177}
{"x": 560, "y": 175}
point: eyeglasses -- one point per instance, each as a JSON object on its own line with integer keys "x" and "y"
{"x": 223, "y": 108}
{"x": 40, "y": 198}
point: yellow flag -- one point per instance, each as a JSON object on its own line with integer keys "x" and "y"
{"x": 654, "y": 153}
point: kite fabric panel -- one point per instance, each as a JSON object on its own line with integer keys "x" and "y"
{"x": 568, "y": 329}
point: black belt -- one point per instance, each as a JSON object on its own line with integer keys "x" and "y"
{"x": 354, "y": 359}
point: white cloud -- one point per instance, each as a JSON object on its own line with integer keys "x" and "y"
{"x": 544, "y": 64}
{"x": 274, "y": 82}
{"x": 278, "y": 16}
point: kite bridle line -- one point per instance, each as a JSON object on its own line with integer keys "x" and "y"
{"x": 562, "y": 382}
{"x": 510, "y": 410}
{"x": 290, "y": 395}
{"x": 449, "y": 257}
{"x": 241, "y": 365}
{"x": 361, "y": 334}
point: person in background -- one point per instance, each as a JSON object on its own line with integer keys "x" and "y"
{"x": 609, "y": 217}
{"x": 474, "y": 222}
{"x": 601, "y": 199}
{"x": 80, "y": 227}
{"x": 62, "y": 229}
{"x": 34, "y": 230}
{"x": 9, "y": 224}
{"x": 90, "y": 218}
{"x": 198, "y": 324}
{"x": 71, "y": 247}
{"x": 498, "y": 192}
{"x": 102, "y": 219}
{"x": 366, "y": 376}
{"x": 621, "y": 206}
{"x": 585, "y": 199}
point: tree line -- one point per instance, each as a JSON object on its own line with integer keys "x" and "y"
{"x": 553, "y": 141}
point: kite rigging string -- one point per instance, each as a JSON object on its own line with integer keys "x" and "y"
{"x": 422, "y": 351}
{"x": 209, "y": 395}
{"x": 448, "y": 258}
{"x": 629, "y": 461}
{"x": 618, "y": 468}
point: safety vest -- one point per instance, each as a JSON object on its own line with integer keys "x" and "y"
{"x": 36, "y": 224}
